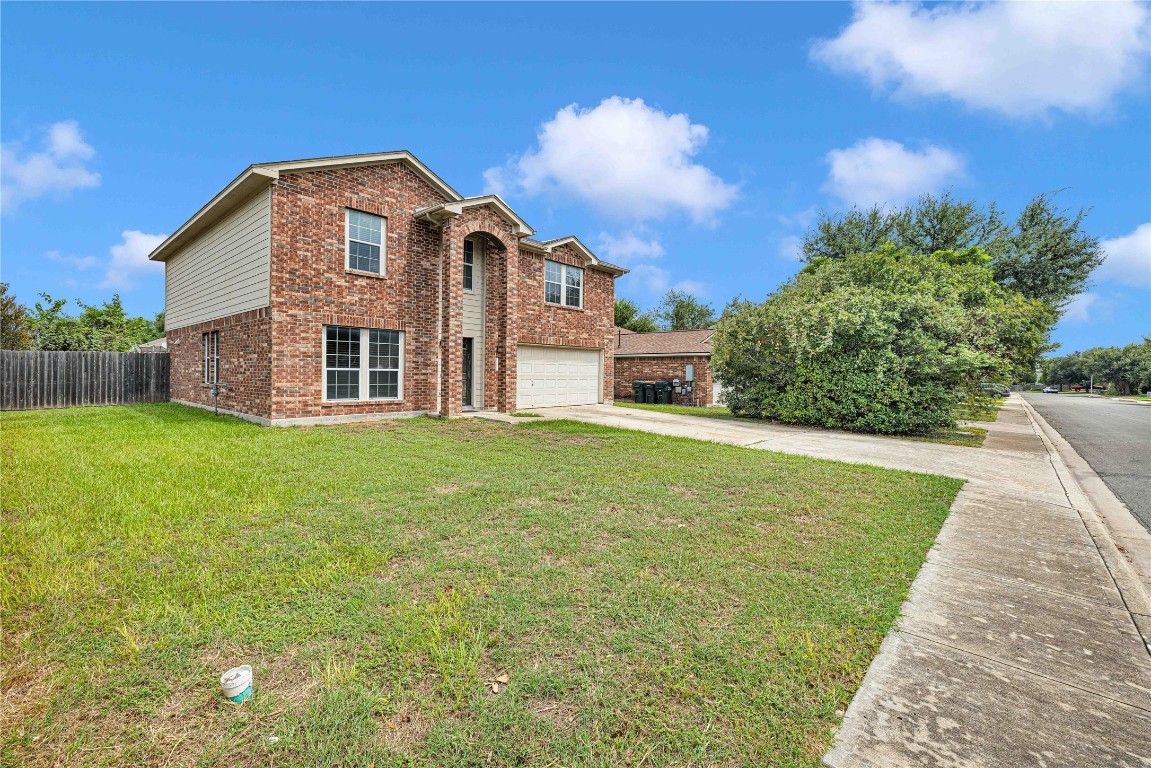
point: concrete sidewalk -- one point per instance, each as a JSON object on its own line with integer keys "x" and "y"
{"x": 1020, "y": 643}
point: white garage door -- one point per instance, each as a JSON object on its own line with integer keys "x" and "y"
{"x": 548, "y": 376}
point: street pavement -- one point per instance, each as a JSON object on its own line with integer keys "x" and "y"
{"x": 1113, "y": 436}
{"x": 1025, "y": 638}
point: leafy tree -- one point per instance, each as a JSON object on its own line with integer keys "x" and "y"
{"x": 1049, "y": 257}
{"x": 158, "y": 323}
{"x": 877, "y": 342}
{"x": 104, "y": 328}
{"x": 15, "y": 332}
{"x": 53, "y": 329}
{"x": 1044, "y": 255}
{"x": 859, "y": 230}
{"x": 628, "y": 315}
{"x": 110, "y": 327}
{"x": 680, "y": 311}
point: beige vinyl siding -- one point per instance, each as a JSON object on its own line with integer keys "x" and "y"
{"x": 224, "y": 271}
{"x": 473, "y": 325}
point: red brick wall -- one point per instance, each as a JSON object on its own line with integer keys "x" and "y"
{"x": 541, "y": 323}
{"x": 245, "y": 353}
{"x": 311, "y": 286}
{"x": 629, "y": 369}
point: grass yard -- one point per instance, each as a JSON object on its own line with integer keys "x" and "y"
{"x": 971, "y": 437}
{"x": 652, "y": 600}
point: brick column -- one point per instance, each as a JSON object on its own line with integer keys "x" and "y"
{"x": 510, "y": 331}
{"x": 451, "y": 374}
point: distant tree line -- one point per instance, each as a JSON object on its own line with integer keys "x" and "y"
{"x": 48, "y": 326}
{"x": 677, "y": 311}
{"x": 1125, "y": 370}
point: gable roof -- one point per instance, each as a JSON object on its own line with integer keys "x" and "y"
{"x": 547, "y": 246}
{"x": 436, "y": 214}
{"x": 259, "y": 175}
{"x": 664, "y": 343}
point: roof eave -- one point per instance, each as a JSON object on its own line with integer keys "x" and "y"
{"x": 438, "y": 214}
{"x": 707, "y": 353}
{"x": 374, "y": 158}
{"x": 242, "y": 187}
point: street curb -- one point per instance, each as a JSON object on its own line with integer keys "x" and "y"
{"x": 1108, "y": 521}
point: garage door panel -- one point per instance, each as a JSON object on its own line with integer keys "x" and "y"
{"x": 551, "y": 376}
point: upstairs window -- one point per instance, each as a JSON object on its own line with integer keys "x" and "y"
{"x": 366, "y": 242}
{"x": 469, "y": 264}
{"x": 563, "y": 284}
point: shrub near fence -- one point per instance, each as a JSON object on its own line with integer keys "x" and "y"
{"x": 33, "y": 380}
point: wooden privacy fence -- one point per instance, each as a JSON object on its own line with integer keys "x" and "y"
{"x": 31, "y": 380}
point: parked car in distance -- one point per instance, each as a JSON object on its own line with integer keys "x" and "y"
{"x": 995, "y": 390}
{"x": 1051, "y": 390}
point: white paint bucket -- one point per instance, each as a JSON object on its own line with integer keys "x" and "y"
{"x": 236, "y": 683}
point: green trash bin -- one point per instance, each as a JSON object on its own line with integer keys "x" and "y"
{"x": 637, "y": 390}
{"x": 663, "y": 392}
{"x": 649, "y": 392}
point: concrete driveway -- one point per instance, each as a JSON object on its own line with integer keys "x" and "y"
{"x": 1026, "y": 638}
{"x": 1012, "y": 457}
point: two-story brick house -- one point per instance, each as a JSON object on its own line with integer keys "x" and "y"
{"x": 364, "y": 286}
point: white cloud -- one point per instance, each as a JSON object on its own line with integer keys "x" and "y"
{"x": 801, "y": 220}
{"x": 57, "y": 169}
{"x": 1079, "y": 310}
{"x": 76, "y": 262}
{"x": 652, "y": 282}
{"x": 1017, "y": 58}
{"x": 789, "y": 248}
{"x": 1128, "y": 258}
{"x": 130, "y": 259}
{"x": 622, "y": 157}
{"x": 883, "y": 172}
{"x": 628, "y": 248}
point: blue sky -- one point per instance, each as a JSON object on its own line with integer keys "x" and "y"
{"x": 692, "y": 143}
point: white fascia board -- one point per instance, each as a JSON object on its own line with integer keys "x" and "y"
{"x": 242, "y": 187}
{"x": 438, "y": 213}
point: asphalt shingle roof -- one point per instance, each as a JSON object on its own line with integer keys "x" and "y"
{"x": 665, "y": 343}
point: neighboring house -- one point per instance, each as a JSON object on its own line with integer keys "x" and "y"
{"x": 155, "y": 345}
{"x": 668, "y": 355}
{"x": 364, "y": 286}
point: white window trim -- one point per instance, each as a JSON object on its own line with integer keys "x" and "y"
{"x": 475, "y": 249}
{"x": 348, "y": 243}
{"x": 211, "y": 357}
{"x": 563, "y": 285}
{"x": 365, "y": 375}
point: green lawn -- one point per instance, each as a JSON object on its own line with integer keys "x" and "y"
{"x": 971, "y": 437}
{"x": 652, "y": 600}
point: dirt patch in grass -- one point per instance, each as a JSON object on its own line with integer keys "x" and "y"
{"x": 559, "y": 714}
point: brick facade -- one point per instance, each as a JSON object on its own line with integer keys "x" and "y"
{"x": 273, "y": 358}
{"x": 592, "y": 326}
{"x": 245, "y": 355}
{"x": 629, "y": 369}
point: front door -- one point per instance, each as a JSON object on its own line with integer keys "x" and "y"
{"x": 468, "y": 371}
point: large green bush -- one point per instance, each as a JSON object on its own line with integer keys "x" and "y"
{"x": 876, "y": 342}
